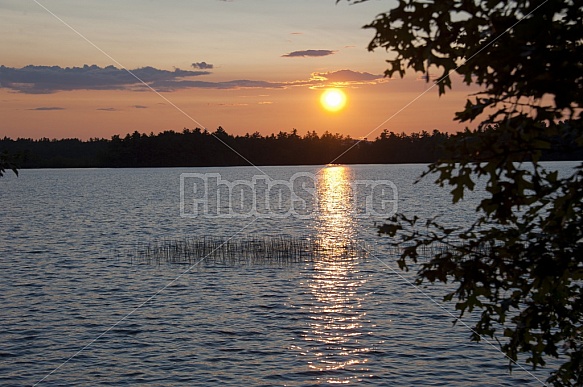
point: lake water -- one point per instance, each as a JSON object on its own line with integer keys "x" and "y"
{"x": 78, "y": 309}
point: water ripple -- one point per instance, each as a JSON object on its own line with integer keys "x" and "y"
{"x": 64, "y": 284}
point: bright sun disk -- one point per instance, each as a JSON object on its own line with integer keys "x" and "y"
{"x": 333, "y": 100}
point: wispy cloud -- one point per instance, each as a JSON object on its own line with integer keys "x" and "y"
{"x": 236, "y": 84}
{"x": 108, "y": 109}
{"x": 340, "y": 78}
{"x": 47, "y": 108}
{"x": 347, "y": 76}
{"x": 308, "y": 53}
{"x": 140, "y": 107}
{"x": 202, "y": 65}
{"x": 50, "y": 79}
{"x": 232, "y": 104}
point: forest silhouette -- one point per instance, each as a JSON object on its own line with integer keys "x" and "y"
{"x": 199, "y": 147}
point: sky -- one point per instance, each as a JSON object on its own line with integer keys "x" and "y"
{"x": 246, "y": 65}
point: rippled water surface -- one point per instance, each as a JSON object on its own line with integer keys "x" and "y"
{"x": 77, "y": 309}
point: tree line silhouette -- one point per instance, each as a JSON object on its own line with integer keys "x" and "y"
{"x": 199, "y": 147}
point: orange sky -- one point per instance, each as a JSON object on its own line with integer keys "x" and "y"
{"x": 245, "y": 65}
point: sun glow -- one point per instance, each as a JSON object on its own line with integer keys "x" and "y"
{"x": 333, "y": 100}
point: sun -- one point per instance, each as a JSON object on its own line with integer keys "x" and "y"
{"x": 333, "y": 100}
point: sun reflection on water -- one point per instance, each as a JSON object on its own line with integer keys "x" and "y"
{"x": 338, "y": 321}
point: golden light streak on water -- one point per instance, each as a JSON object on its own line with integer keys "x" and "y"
{"x": 337, "y": 317}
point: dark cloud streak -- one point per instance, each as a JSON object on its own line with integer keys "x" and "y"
{"x": 46, "y": 80}
{"x": 236, "y": 84}
{"x": 50, "y": 79}
{"x": 47, "y": 108}
{"x": 202, "y": 65}
{"x": 308, "y": 53}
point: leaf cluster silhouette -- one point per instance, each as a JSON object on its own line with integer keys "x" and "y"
{"x": 519, "y": 265}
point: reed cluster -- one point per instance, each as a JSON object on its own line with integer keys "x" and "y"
{"x": 277, "y": 250}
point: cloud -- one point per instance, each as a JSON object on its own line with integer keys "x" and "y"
{"x": 345, "y": 78}
{"x": 108, "y": 109}
{"x": 47, "y": 108}
{"x": 50, "y": 79}
{"x": 309, "y": 53}
{"x": 232, "y": 104}
{"x": 235, "y": 84}
{"x": 44, "y": 80}
{"x": 140, "y": 107}
{"x": 202, "y": 65}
